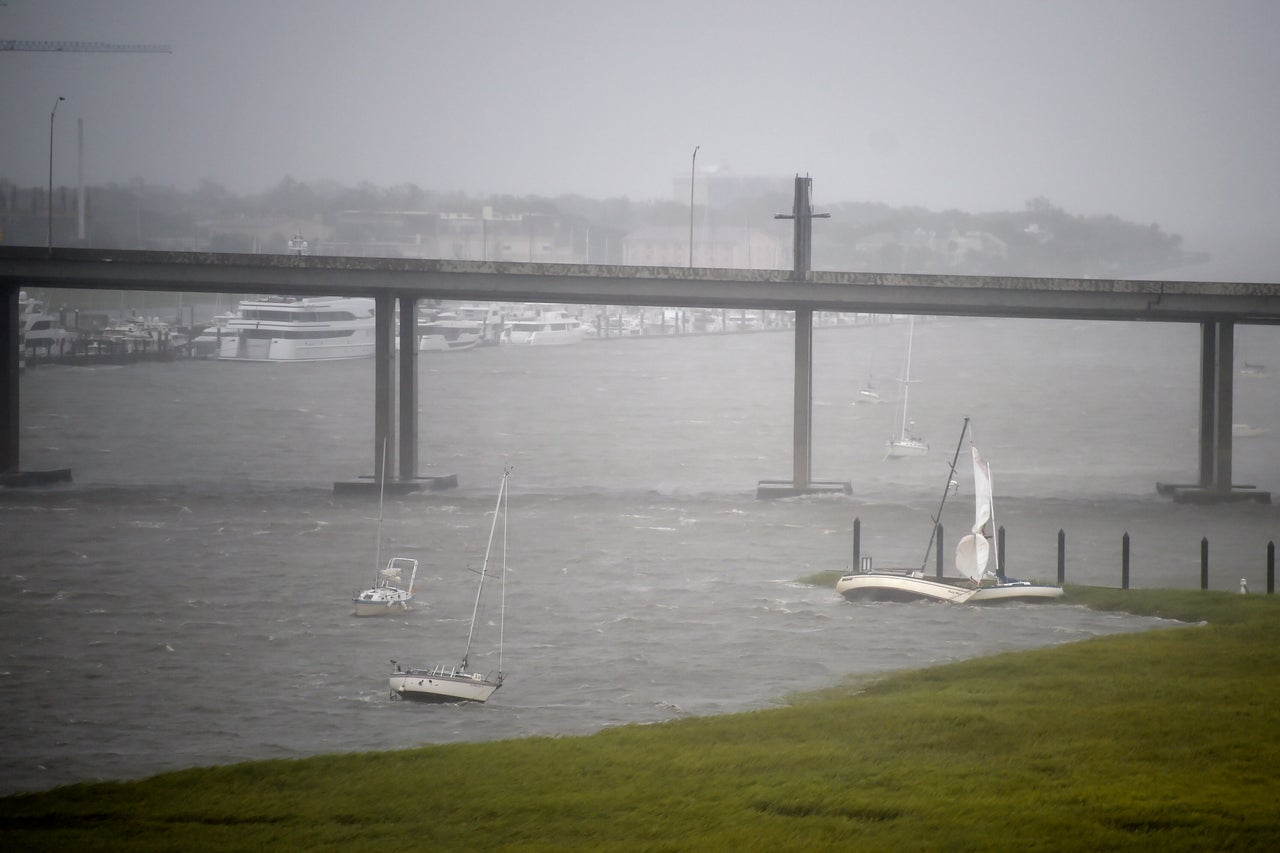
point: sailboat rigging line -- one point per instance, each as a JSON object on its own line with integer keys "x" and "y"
{"x": 484, "y": 569}
{"x": 502, "y": 611}
{"x": 991, "y": 510}
{"x": 933, "y": 534}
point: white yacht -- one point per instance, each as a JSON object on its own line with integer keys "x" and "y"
{"x": 447, "y": 333}
{"x": 490, "y": 319}
{"x": 288, "y": 329}
{"x": 549, "y": 327}
{"x": 140, "y": 334}
{"x": 209, "y": 341}
{"x": 38, "y": 330}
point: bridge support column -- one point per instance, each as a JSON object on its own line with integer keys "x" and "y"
{"x": 384, "y": 395}
{"x": 1223, "y": 417}
{"x": 11, "y": 473}
{"x": 1208, "y": 381}
{"x": 408, "y": 388}
{"x": 9, "y": 379}
{"x": 395, "y": 375}
{"x": 1217, "y": 397}
{"x": 802, "y": 431}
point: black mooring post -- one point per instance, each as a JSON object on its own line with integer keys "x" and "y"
{"x": 1271, "y": 567}
{"x": 939, "y": 560}
{"x": 857, "y": 543}
{"x": 1062, "y": 557}
{"x": 1204, "y": 562}
{"x": 1000, "y": 554}
{"x": 1124, "y": 562}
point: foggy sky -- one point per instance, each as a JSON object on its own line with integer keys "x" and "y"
{"x": 1154, "y": 110}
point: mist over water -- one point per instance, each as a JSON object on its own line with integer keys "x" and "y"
{"x": 186, "y": 600}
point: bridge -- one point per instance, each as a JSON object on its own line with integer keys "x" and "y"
{"x": 396, "y": 282}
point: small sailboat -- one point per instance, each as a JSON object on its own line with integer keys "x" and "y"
{"x": 389, "y": 591}
{"x": 907, "y": 442}
{"x": 974, "y": 584}
{"x": 448, "y": 683}
{"x": 1253, "y": 370}
{"x": 869, "y": 395}
{"x": 1242, "y": 430}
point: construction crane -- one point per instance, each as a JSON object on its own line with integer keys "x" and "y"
{"x": 83, "y": 47}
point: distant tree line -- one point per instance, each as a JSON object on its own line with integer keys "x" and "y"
{"x": 1042, "y": 239}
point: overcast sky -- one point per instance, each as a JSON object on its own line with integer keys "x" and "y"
{"x": 1155, "y": 110}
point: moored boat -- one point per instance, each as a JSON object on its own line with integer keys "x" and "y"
{"x": 902, "y": 585}
{"x": 389, "y": 591}
{"x": 446, "y": 332}
{"x": 1241, "y": 430}
{"x": 907, "y": 442}
{"x": 548, "y": 328}
{"x": 490, "y": 319}
{"x": 39, "y": 331}
{"x": 449, "y": 683}
{"x": 975, "y": 584}
{"x": 287, "y": 329}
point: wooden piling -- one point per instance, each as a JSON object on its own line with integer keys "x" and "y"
{"x": 1000, "y": 552}
{"x": 1271, "y": 567}
{"x": 939, "y": 556}
{"x": 1124, "y": 561}
{"x": 1204, "y": 562}
{"x": 857, "y": 542}
{"x": 1062, "y": 556}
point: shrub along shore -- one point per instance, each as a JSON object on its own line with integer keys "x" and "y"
{"x": 1163, "y": 739}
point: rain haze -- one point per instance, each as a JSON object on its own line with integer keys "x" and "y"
{"x": 1154, "y": 111}
{"x": 197, "y": 576}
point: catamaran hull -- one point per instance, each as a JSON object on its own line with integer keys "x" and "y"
{"x": 435, "y": 688}
{"x": 1016, "y": 592}
{"x": 874, "y": 586}
{"x": 887, "y": 586}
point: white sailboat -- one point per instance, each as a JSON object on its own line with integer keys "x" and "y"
{"x": 389, "y": 591}
{"x": 869, "y": 395}
{"x": 1253, "y": 370}
{"x": 907, "y": 443}
{"x": 447, "y": 683}
{"x": 975, "y": 583}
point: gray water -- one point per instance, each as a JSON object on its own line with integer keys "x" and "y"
{"x": 187, "y": 600}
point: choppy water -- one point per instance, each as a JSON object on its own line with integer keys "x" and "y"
{"x": 186, "y": 601}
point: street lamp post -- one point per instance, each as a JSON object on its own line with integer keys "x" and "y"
{"x": 49, "y": 200}
{"x": 692, "y": 169}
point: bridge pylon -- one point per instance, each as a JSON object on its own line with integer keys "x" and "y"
{"x": 802, "y": 482}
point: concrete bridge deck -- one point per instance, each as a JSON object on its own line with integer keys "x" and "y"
{"x": 1216, "y": 306}
{"x": 896, "y": 293}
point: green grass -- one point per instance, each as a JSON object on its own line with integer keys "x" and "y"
{"x": 1166, "y": 739}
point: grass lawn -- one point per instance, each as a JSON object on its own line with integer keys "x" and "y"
{"x": 1166, "y": 739}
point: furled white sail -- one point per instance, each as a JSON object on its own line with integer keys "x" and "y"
{"x": 973, "y": 551}
{"x": 981, "y": 491}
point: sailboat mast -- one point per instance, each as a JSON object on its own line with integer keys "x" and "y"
{"x": 382, "y": 489}
{"x": 906, "y": 375}
{"x": 933, "y": 534}
{"x": 484, "y": 569}
{"x": 502, "y": 612}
